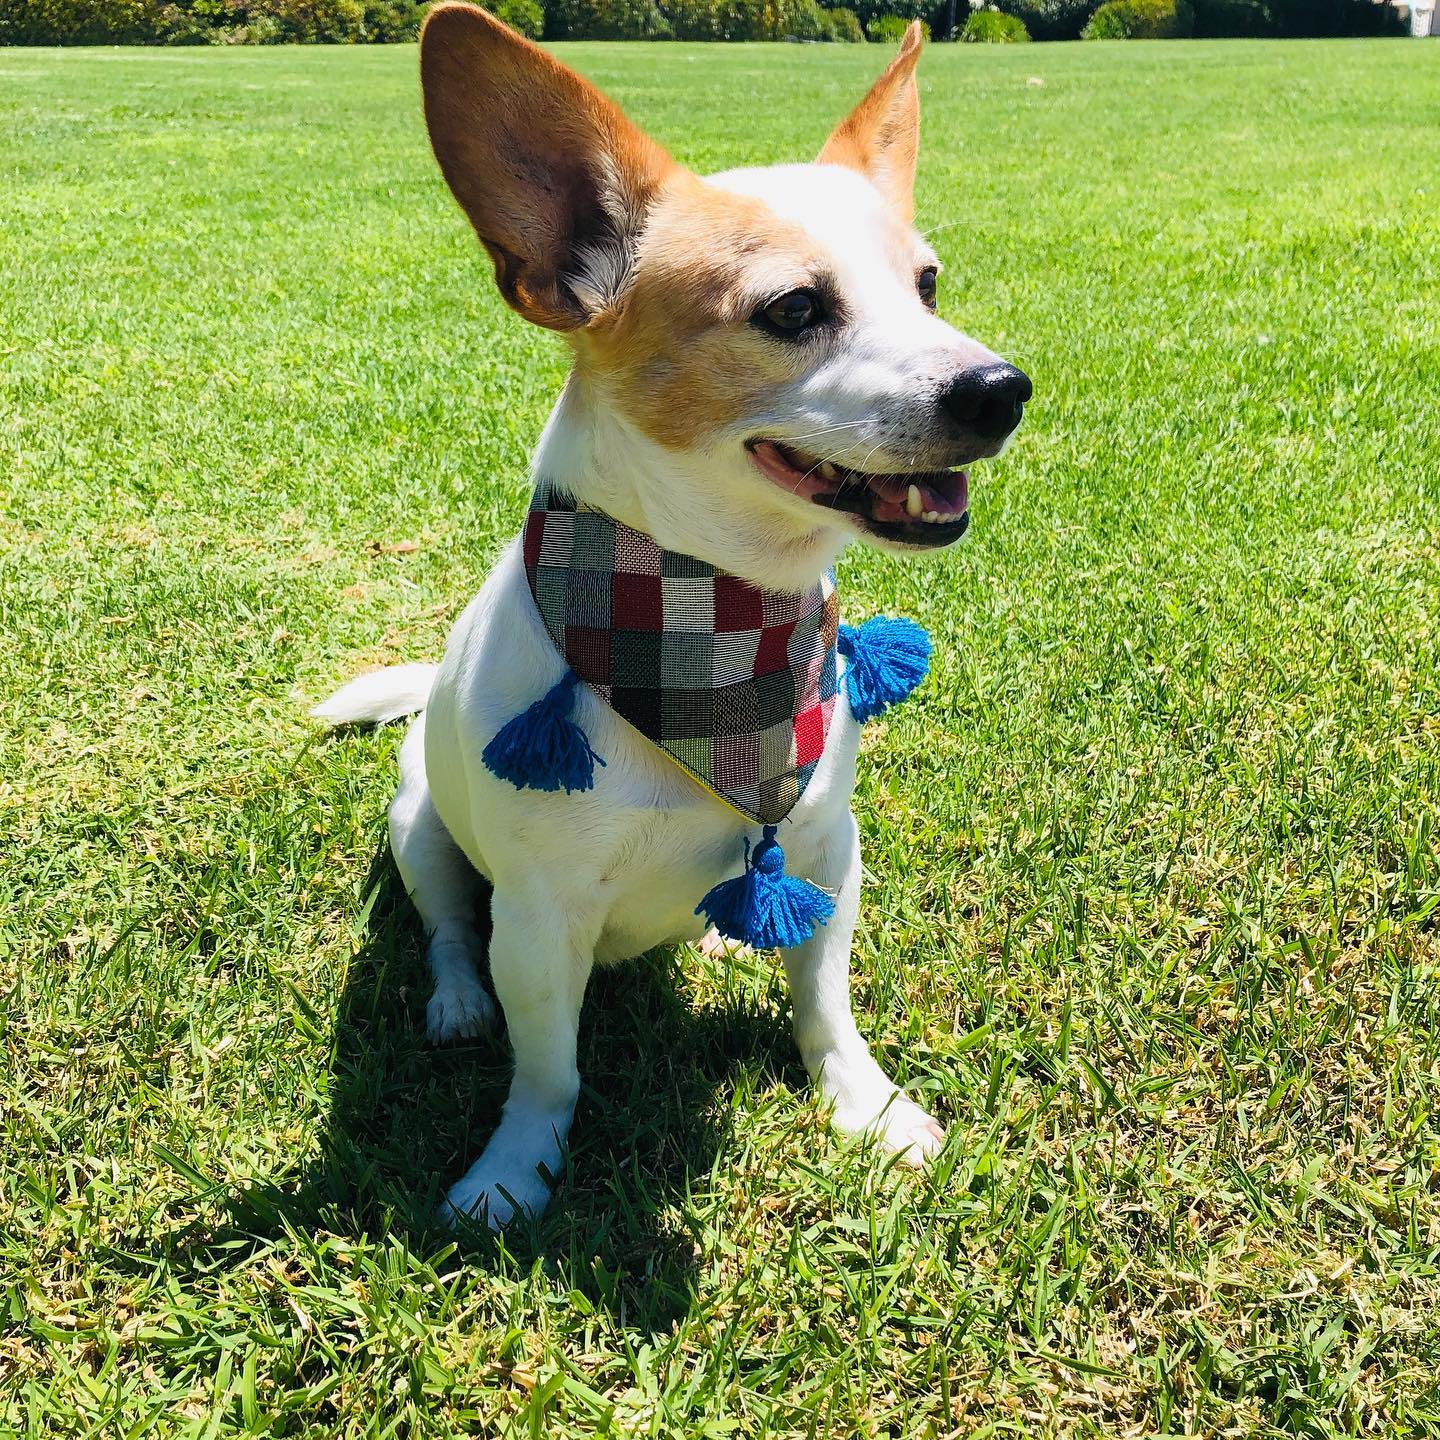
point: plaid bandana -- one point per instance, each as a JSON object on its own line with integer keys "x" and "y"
{"x": 735, "y": 683}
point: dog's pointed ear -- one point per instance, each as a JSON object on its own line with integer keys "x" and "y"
{"x": 880, "y": 137}
{"x": 553, "y": 176}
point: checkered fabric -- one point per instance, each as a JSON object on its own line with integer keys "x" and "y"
{"x": 735, "y": 683}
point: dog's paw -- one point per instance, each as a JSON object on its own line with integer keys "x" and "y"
{"x": 459, "y": 1008}
{"x": 492, "y": 1195}
{"x": 715, "y": 946}
{"x": 898, "y": 1125}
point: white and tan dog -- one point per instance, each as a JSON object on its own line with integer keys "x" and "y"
{"x": 760, "y": 377}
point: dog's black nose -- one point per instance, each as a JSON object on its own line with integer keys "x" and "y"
{"x": 988, "y": 400}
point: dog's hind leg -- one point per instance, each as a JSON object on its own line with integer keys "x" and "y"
{"x": 446, "y": 892}
{"x": 541, "y": 953}
{"x": 865, "y": 1100}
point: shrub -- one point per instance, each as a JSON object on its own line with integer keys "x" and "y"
{"x": 712, "y": 19}
{"x": 701, "y": 19}
{"x": 759, "y": 20}
{"x": 991, "y": 27}
{"x": 1140, "y": 20}
{"x": 181, "y": 24}
{"x": 191, "y": 22}
{"x": 526, "y": 16}
{"x": 309, "y": 21}
{"x": 868, "y": 10}
{"x": 77, "y": 22}
{"x": 1108, "y": 23}
{"x": 208, "y": 22}
{"x": 1050, "y": 19}
{"x": 794, "y": 19}
{"x": 890, "y": 29}
{"x": 801, "y": 20}
{"x": 393, "y": 21}
{"x": 605, "y": 20}
{"x": 845, "y": 26}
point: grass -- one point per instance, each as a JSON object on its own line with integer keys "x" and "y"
{"x": 1152, "y": 864}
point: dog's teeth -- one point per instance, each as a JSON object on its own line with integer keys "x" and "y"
{"x": 827, "y": 470}
{"x": 913, "y": 504}
{"x": 931, "y": 516}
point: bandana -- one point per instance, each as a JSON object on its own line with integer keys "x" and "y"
{"x": 735, "y": 683}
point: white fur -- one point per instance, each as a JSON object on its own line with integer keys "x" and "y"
{"x": 380, "y": 696}
{"x": 868, "y": 402}
{"x": 608, "y": 873}
{"x": 872, "y": 398}
{"x": 599, "y": 876}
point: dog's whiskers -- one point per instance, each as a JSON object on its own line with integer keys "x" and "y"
{"x": 889, "y": 431}
{"x": 830, "y": 429}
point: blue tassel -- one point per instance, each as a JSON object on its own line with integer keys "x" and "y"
{"x": 765, "y": 907}
{"x": 885, "y": 660}
{"x": 544, "y": 749}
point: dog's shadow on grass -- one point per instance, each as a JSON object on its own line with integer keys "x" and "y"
{"x": 407, "y": 1119}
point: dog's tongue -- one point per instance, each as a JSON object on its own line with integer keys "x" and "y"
{"x": 893, "y": 497}
{"x": 772, "y": 461}
{"x": 947, "y": 492}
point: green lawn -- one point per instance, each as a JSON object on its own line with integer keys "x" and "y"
{"x": 1154, "y": 875}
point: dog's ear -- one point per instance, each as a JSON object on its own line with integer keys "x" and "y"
{"x": 552, "y": 175}
{"x": 881, "y": 135}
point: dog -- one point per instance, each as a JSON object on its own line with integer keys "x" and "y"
{"x": 760, "y": 377}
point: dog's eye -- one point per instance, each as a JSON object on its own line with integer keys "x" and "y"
{"x": 791, "y": 314}
{"x": 925, "y": 284}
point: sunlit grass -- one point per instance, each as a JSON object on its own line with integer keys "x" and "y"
{"x": 1151, "y": 864}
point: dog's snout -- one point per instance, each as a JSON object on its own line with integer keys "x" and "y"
{"x": 989, "y": 399}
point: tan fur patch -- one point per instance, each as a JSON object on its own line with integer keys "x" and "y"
{"x": 679, "y": 357}
{"x": 540, "y": 160}
{"x": 880, "y": 137}
{"x": 556, "y": 181}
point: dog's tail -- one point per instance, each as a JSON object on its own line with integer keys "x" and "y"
{"x": 377, "y": 697}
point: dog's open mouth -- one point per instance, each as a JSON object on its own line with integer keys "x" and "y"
{"x": 928, "y": 507}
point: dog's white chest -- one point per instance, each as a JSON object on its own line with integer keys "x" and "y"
{"x": 639, "y": 850}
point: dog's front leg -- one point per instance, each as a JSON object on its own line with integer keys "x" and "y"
{"x": 865, "y": 1099}
{"x": 540, "y": 960}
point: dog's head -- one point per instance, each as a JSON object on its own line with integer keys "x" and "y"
{"x": 760, "y": 348}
